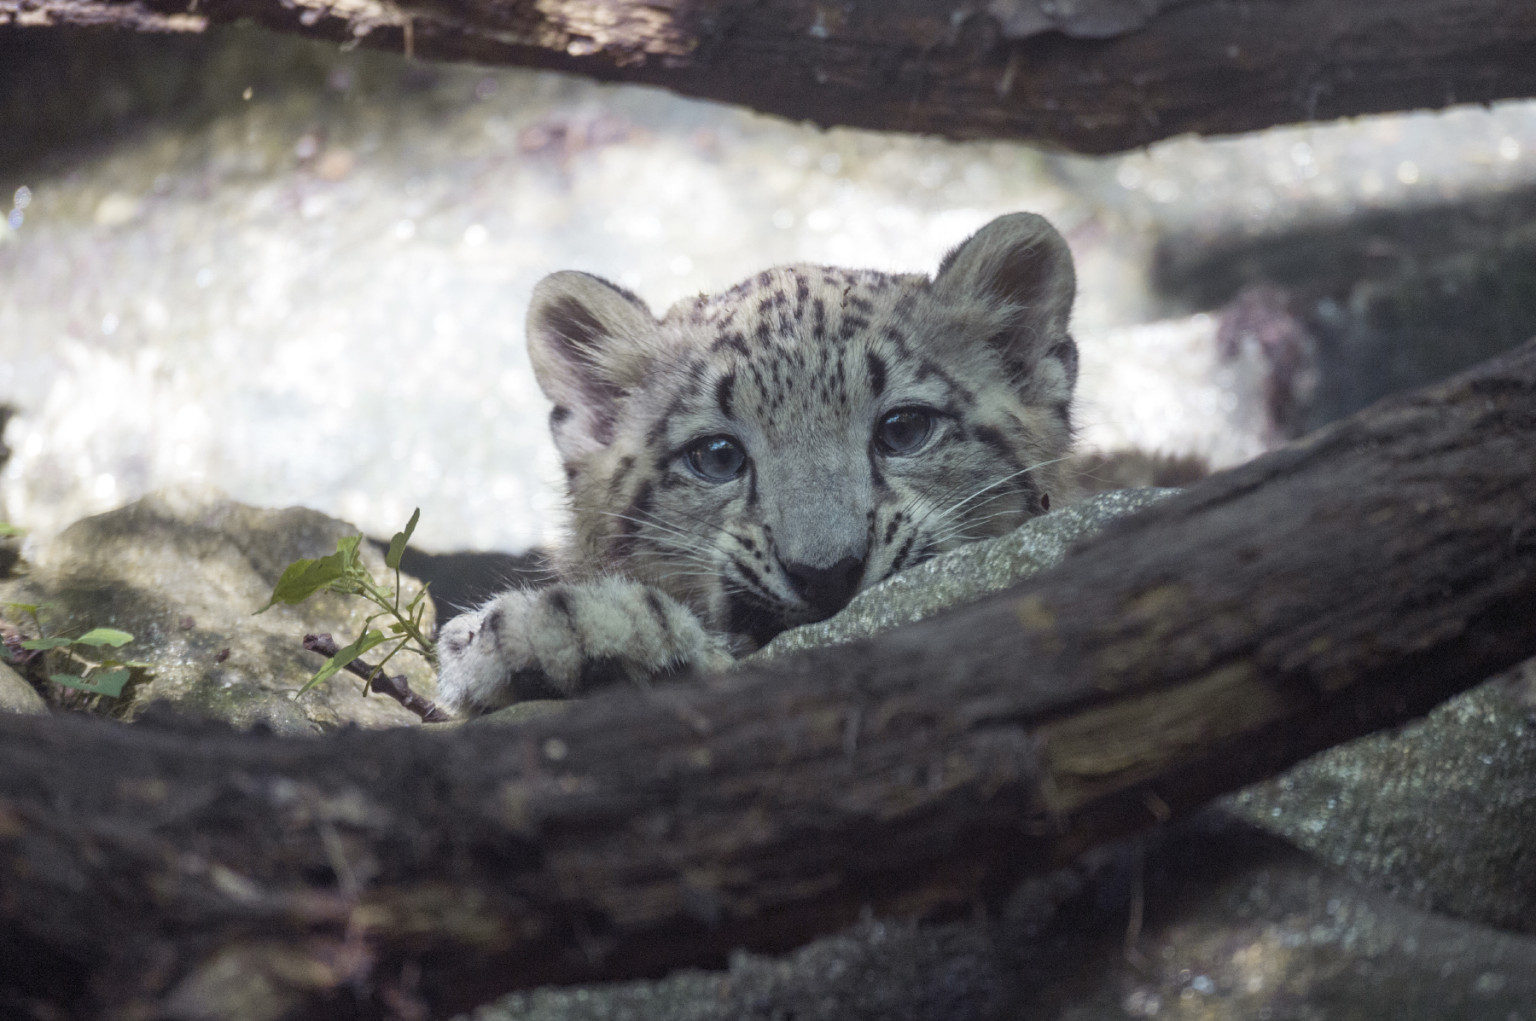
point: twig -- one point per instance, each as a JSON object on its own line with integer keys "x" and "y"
{"x": 395, "y": 686}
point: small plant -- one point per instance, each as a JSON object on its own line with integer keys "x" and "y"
{"x": 343, "y": 571}
{"x": 96, "y": 670}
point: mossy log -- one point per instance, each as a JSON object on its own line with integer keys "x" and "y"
{"x": 1344, "y": 583}
{"x": 1092, "y": 76}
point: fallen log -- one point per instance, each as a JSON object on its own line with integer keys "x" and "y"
{"x": 1344, "y": 583}
{"x": 1092, "y": 76}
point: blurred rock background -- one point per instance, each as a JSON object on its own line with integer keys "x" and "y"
{"x": 298, "y": 275}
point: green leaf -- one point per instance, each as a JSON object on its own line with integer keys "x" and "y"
{"x": 47, "y": 643}
{"x": 397, "y": 544}
{"x": 107, "y": 682}
{"x": 105, "y": 636}
{"x": 30, "y": 609}
{"x": 343, "y": 657}
{"x": 7, "y": 529}
{"x": 346, "y": 548}
{"x": 303, "y": 578}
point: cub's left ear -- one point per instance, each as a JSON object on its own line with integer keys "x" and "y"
{"x": 1020, "y": 266}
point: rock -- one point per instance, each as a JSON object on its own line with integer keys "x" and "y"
{"x": 184, "y": 572}
{"x": 1232, "y": 923}
{"x": 1441, "y": 813}
{"x": 966, "y": 574}
{"x": 16, "y": 695}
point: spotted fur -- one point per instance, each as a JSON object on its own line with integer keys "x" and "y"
{"x": 682, "y": 555}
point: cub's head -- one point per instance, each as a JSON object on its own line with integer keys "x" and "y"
{"x": 764, "y": 453}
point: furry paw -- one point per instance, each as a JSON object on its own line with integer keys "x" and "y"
{"x": 566, "y": 639}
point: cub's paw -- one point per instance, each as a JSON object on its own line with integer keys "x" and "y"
{"x": 567, "y": 639}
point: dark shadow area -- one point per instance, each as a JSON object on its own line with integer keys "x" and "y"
{"x": 462, "y": 581}
{"x": 10, "y": 548}
{"x": 1394, "y": 299}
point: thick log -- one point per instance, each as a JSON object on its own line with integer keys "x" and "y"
{"x": 1342, "y": 584}
{"x": 1093, "y": 76}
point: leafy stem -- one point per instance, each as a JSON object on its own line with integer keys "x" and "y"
{"x": 100, "y": 673}
{"x": 343, "y": 571}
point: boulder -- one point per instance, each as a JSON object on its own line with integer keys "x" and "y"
{"x": 16, "y": 695}
{"x": 184, "y": 572}
{"x": 1207, "y": 919}
{"x": 1441, "y": 813}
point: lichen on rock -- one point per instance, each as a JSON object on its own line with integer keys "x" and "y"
{"x": 965, "y": 574}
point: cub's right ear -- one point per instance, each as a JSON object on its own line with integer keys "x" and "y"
{"x": 591, "y": 343}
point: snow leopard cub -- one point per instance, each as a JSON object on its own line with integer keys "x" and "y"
{"x": 749, "y": 461}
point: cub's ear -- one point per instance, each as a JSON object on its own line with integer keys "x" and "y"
{"x": 590, "y": 343}
{"x": 1020, "y": 266}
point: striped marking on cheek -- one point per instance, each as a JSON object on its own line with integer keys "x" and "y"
{"x": 628, "y": 538}
{"x": 620, "y": 477}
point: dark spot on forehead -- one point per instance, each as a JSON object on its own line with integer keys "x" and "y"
{"x": 876, "y": 373}
{"x": 725, "y": 388}
{"x": 735, "y": 341}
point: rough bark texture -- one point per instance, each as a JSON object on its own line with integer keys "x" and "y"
{"x": 1092, "y": 75}
{"x": 1339, "y": 585}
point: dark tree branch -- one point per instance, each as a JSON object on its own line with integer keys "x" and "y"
{"x": 1345, "y": 583}
{"x": 393, "y": 685}
{"x": 1094, "y": 76}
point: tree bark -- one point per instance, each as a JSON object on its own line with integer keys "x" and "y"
{"x": 1093, "y": 76}
{"x": 1345, "y": 583}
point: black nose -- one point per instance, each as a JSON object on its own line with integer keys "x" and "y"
{"x": 826, "y": 589}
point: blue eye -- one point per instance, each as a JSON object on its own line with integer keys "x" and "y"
{"x": 904, "y": 431}
{"x": 715, "y": 459}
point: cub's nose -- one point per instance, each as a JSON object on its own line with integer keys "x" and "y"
{"x": 826, "y": 589}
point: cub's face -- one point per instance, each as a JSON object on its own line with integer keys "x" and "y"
{"x": 764, "y": 453}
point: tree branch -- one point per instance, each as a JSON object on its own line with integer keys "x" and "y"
{"x": 1345, "y": 583}
{"x": 1093, "y": 76}
{"x": 393, "y": 685}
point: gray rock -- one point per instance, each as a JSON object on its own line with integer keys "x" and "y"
{"x": 1234, "y": 924}
{"x": 1441, "y": 813}
{"x": 184, "y": 572}
{"x": 966, "y": 574}
{"x": 16, "y": 695}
